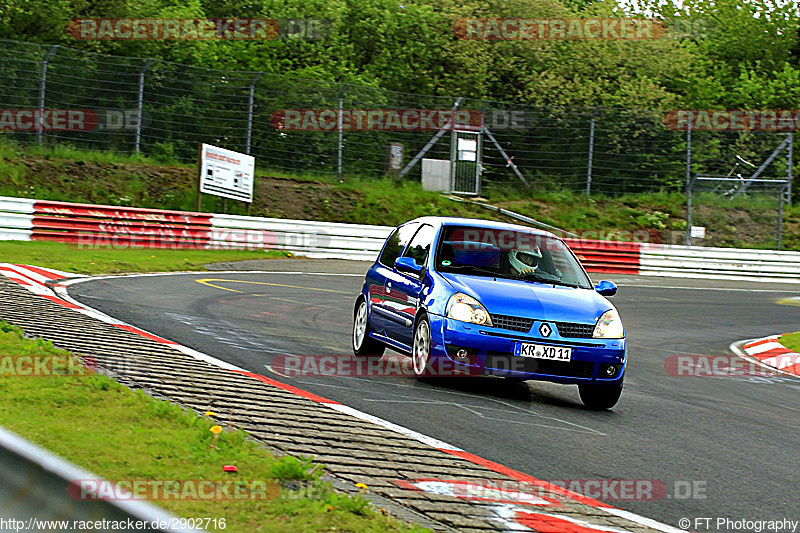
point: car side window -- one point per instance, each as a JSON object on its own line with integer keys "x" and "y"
{"x": 397, "y": 241}
{"x": 421, "y": 244}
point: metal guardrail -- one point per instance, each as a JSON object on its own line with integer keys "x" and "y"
{"x": 302, "y": 237}
{"x": 720, "y": 263}
{"x": 25, "y": 219}
{"x": 33, "y": 492}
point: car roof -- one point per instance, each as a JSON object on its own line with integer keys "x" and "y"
{"x": 479, "y": 223}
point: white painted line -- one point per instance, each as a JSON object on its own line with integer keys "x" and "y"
{"x": 61, "y": 291}
{"x": 721, "y": 277}
{"x": 430, "y": 441}
{"x": 205, "y": 357}
{"x": 206, "y": 273}
{"x": 732, "y": 289}
{"x": 649, "y": 522}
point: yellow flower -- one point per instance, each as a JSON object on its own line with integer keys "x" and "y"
{"x": 216, "y": 430}
{"x": 211, "y": 413}
{"x": 361, "y": 486}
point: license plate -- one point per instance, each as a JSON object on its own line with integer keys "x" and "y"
{"x": 541, "y": 351}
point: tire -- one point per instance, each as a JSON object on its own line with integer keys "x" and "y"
{"x": 363, "y": 344}
{"x": 421, "y": 348}
{"x": 599, "y": 397}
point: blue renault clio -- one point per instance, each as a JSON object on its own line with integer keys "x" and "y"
{"x": 468, "y": 297}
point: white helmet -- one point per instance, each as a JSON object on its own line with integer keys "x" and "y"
{"x": 524, "y": 260}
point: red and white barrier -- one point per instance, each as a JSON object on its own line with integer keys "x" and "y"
{"x": 119, "y": 226}
{"x": 608, "y": 257}
{"x": 116, "y": 226}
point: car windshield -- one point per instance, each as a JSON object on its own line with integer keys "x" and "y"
{"x": 508, "y": 253}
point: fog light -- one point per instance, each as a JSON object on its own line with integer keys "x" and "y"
{"x": 611, "y": 370}
{"x": 461, "y": 353}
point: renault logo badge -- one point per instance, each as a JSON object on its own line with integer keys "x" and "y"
{"x": 545, "y": 330}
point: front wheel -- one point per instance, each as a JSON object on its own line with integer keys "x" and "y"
{"x": 599, "y": 396}
{"x": 421, "y": 347}
{"x": 363, "y": 344}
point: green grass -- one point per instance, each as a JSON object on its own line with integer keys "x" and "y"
{"x": 791, "y": 341}
{"x": 120, "y": 434}
{"x": 71, "y": 258}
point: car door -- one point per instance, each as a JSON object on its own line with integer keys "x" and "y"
{"x": 379, "y": 273}
{"x": 403, "y": 289}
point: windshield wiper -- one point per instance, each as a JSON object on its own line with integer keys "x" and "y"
{"x": 537, "y": 276}
{"x": 479, "y": 269}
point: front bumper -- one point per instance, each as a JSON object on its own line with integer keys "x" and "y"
{"x": 490, "y": 351}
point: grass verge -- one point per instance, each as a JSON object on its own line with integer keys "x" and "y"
{"x": 791, "y": 341}
{"x": 71, "y": 258}
{"x": 120, "y": 434}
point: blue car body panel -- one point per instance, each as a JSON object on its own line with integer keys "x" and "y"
{"x": 396, "y": 299}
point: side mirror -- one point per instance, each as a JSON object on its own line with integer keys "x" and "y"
{"x": 407, "y": 264}
{"x": 606, "y": 288}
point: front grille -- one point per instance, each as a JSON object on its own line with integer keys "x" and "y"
{"x": 565, "y": 329}
{"x": 571, "y": 369}
{"x": 575, "y": 331}
{"x": 514, "y": 323}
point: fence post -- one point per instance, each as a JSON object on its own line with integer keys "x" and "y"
{"x": 689, "y": 183}
{"x": 140, "y": 103}
{"x": 591, "y": 155}
{"x": 789, "y": 177}
{"x": 780, "y": 219}
{"x": 250, "y": 112}
{"x": 42, "y": 84}
{"x": 339, "y": 127}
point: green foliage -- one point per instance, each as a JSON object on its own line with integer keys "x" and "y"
{"x": 656, "y": 219}
{"x": 289, "y": 468}
{"x": 356, "y": 504}
{"x": 745, "y": 55}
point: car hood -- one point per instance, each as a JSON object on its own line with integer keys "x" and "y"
{"x": 531, "y": 299}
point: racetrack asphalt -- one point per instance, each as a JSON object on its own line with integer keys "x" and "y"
{"x": 733, "y": 438}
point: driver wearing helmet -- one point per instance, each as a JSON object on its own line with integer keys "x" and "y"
{"x": 525, "y": 261}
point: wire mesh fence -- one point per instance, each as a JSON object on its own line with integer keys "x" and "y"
{"x": 735, "y": 212}
{"x": 166, "y": 110}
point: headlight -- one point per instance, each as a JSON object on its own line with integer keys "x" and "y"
{"x": 609, "y": 326}
{"x": 467, "y": 309}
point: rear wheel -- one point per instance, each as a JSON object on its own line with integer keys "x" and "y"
{"x": 421, "y": 347}
{"x": 363, "y": 344}
{"x": 599, "y": 396}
